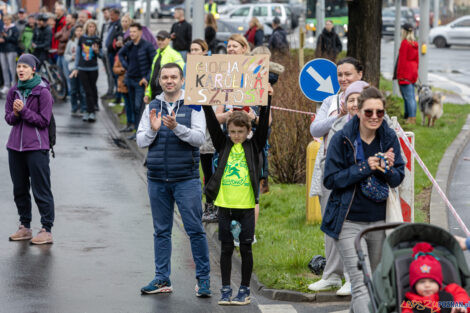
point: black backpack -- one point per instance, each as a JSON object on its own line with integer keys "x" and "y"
{"x": 52, "y": 135}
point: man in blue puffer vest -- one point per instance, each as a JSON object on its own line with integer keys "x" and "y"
{"x": 173, "y": 133}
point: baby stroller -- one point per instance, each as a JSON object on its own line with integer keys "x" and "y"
{"x": 390, "y": 281}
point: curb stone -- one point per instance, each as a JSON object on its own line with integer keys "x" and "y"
{"x": 445, "y": 171}
{"x": 212, "y": 233}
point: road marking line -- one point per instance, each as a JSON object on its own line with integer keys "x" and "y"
{"x": 277, "y": 308}
{"x": 344, "y": 311}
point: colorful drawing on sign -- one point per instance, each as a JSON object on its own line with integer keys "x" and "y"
{"x": 227, "y": 79}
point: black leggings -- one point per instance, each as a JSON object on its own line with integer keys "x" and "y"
{"x": 206, "y": 164}
{"x": 88, "y": 80}
{"x": 226, "y": 262}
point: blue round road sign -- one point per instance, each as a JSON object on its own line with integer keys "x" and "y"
{"x": 319, "y": 79}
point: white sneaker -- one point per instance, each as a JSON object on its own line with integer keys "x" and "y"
{"x": 345, "y": 290}
{"x": 325, "y": 284}
{"x": 5, "y": 90}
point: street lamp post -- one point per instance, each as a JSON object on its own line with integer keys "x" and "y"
{"x": 435, "y": 21}
{"x": 198, "y": 23}
{"x": 147, "y": 13}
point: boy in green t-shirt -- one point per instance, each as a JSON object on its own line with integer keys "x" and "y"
{"x": 235, "y": 188}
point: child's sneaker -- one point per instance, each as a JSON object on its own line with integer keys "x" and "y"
{"x": 243, "y": 296}
{"x": 226, "y": 294}
{"x": 203, "y": 288}
{"x": 157, "y": 286}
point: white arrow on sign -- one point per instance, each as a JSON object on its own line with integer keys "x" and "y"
{"x": 325, "y": 84}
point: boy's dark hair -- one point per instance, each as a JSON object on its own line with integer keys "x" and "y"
{"x": 354, "y": 62}
{"x": 370, "y": 93}
{"x": 138, "y": 25}
{"x": 240, "y": 119}
{"x": 171, "y": 65}
{"x": 74, "y": 15}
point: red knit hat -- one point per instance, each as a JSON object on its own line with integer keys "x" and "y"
{"x": 425, "y": 265}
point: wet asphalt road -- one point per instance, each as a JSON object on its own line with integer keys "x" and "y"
{"x": 103, "y": 244}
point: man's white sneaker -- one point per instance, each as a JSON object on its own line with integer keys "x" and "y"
{"x": 345, "y": 290}
{"x": 325, "y": 284}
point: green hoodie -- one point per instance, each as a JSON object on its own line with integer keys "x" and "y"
{"x": 26, "y": 39}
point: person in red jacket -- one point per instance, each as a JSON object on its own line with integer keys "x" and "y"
{"x": 60, "y": 22}
{"x": 407, "y": 71}
{"x": 426, "y": 281}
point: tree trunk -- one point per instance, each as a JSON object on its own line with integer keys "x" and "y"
{"x": 364, "y": 36}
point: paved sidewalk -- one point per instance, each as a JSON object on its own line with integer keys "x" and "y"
{"x": 459, "y": 194}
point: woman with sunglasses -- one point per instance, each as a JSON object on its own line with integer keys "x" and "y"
{"x": 353, "y": 160}
{"x": 349, "y": 70}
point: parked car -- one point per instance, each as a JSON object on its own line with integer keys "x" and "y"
{"x": 140, "y": 7}
{"x": 225, "y": 29}
{"x": 388, "y": 19}
{"x": 454, "y": 33}
{"x": 168, "y": 7}
{"x": 239, "y": 16}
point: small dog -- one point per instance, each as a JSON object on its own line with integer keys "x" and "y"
{"x": 430, "y": 105}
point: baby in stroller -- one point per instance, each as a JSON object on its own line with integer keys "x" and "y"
{"x": 425, "y": 276}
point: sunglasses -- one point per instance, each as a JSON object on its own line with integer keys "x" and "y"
{"x": 161, "y": 38}
{"x": 370, "y": 113}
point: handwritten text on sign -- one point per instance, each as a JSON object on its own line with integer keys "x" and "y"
{"x": 227, "y": 79}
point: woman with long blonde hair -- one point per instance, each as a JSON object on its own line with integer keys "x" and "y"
{"x": 86, "y": 67}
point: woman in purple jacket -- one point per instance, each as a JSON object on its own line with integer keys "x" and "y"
{"x": 29, "y": 109}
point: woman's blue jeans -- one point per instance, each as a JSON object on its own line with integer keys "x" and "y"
{"x": 408, "y": 94}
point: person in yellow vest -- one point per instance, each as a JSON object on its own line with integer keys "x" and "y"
{"x": 165, "y": 54}
{"x": 210, "y": 7}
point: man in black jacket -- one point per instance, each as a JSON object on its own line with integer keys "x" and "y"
{"x": 278, "y": 40}
{"x": 42, "y": 39}
{"x": 136, "y": 57}
{"x": 328, "y": 43}
{"x": 181, "y": 33}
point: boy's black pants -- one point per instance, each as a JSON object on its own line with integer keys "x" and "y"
{"x": 31, "y": 169}
{"x": 246, "y": 217}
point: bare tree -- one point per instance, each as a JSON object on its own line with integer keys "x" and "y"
{"x": 364, "y": 36}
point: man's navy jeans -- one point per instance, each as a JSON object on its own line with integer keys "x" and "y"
{"x": 187, "y": 195}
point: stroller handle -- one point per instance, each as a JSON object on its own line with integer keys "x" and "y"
{"x": 357, "y": 241}
{"x": 361, "y": 263}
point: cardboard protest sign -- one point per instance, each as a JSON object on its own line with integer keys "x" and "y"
{"x": 227, "y": 79}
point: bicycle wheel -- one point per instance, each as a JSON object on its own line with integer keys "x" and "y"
{"x": 58, "y": 83}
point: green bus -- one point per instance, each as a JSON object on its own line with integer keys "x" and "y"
{"x": 335, "y": 10}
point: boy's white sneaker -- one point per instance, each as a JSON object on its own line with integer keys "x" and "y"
{"x": 325, "y": 284}
{"x": 345, "y": 290}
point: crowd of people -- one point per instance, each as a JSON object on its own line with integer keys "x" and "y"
{"x": 359, "y": 160}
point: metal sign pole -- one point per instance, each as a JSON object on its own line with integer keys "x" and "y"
{"x": 147, "y": 13}
{"x": 423, "y": 41}
{"x": 397, "y": 43}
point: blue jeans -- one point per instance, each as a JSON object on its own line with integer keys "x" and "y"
{"x": 136, "y": 98}
{"x": 77, "y": 93}
{"x": 129, "y": 110}
{"x": 187, "y": 195}
{"x": 63, "y": 65}
{"x": 408, "y": 94}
